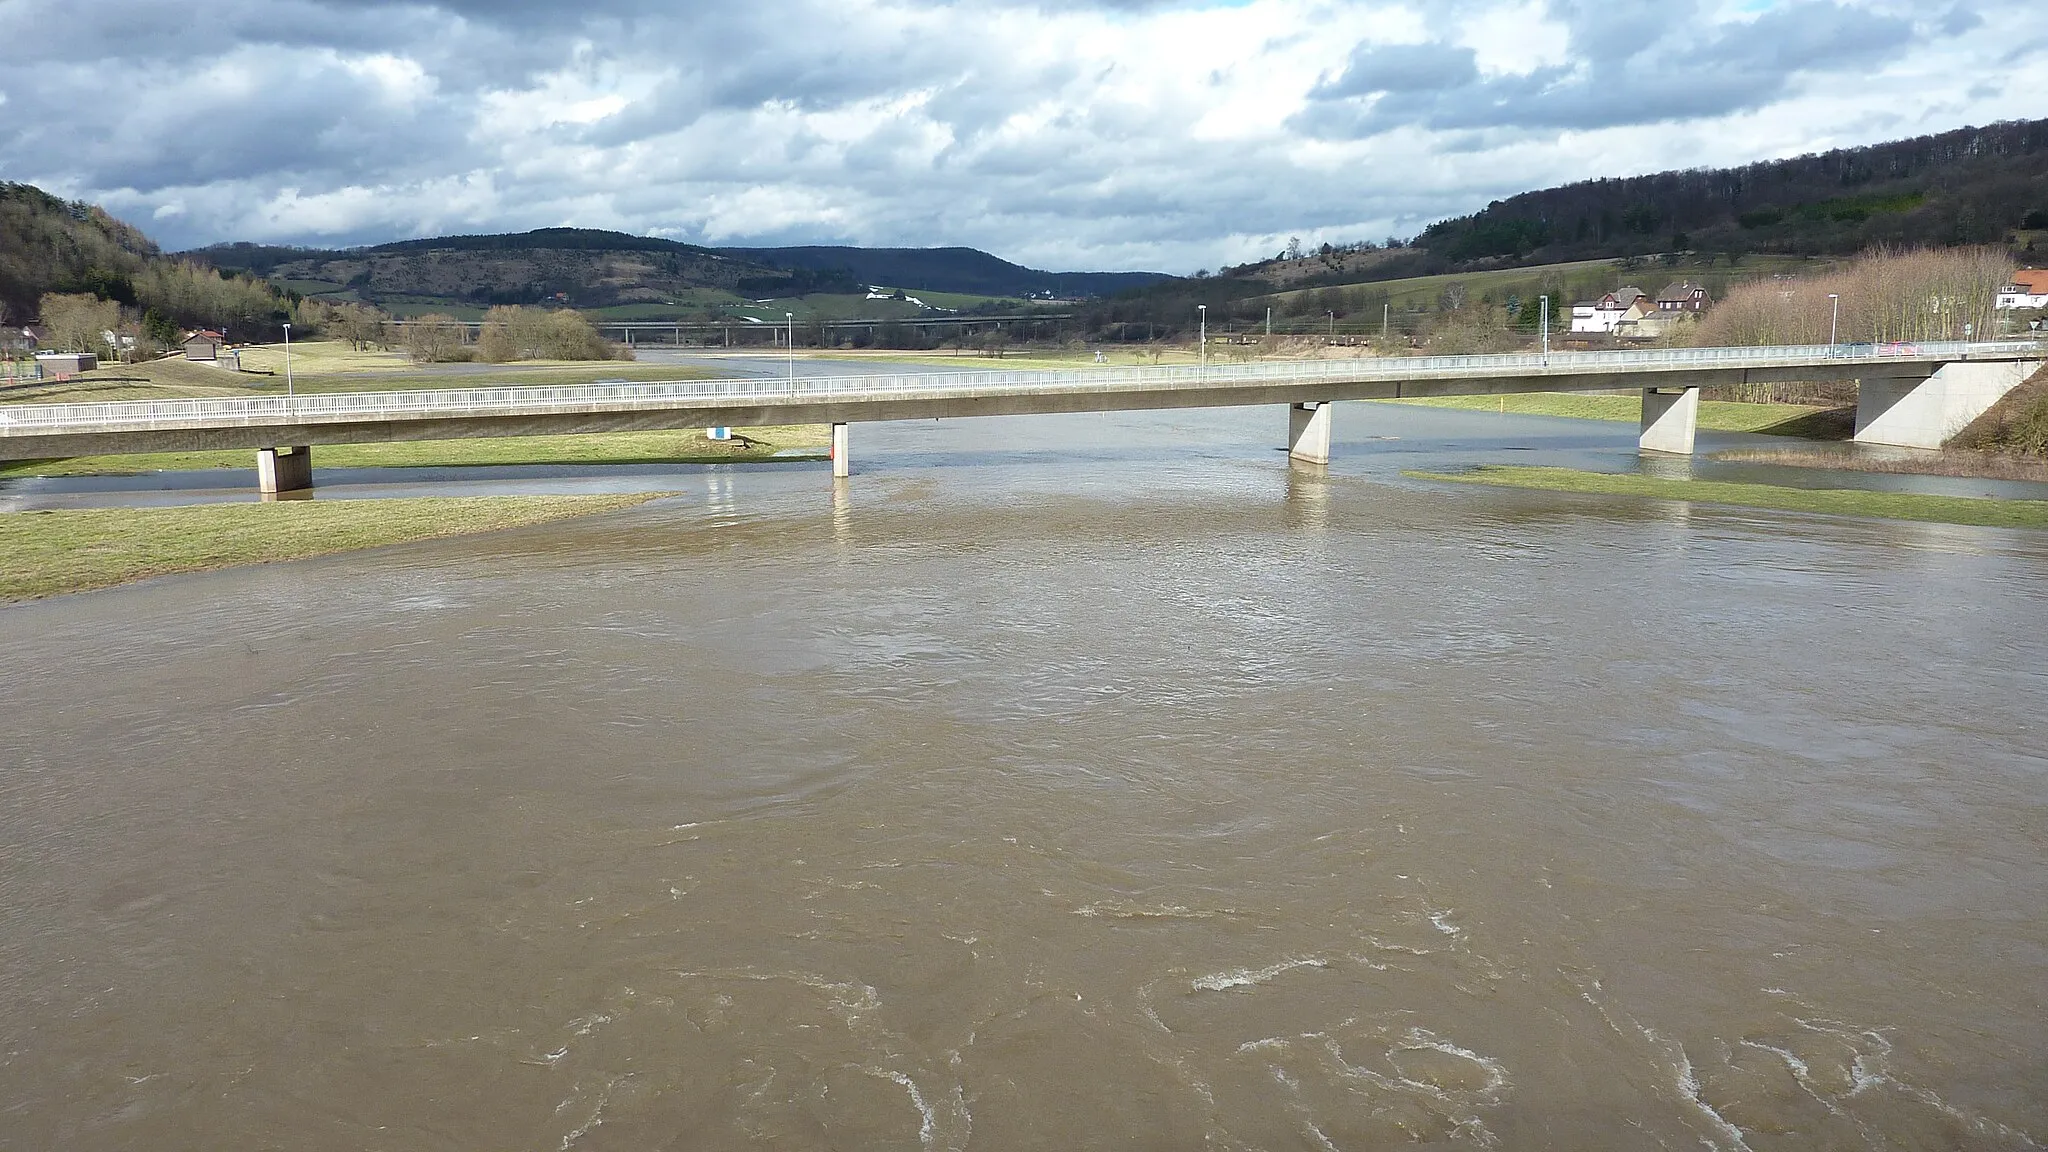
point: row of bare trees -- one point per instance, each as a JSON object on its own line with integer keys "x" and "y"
{"x": 510, "y": 332}
{"x": 1886, "y": 296}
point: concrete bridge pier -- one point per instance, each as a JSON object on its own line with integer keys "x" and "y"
{"x": 284, "y": 469}
{"x": 1671, "y": 419}
{"x": 1308, "y": 432}
{"x": 842, "y": 459}
{"x": 1926, "y": 413}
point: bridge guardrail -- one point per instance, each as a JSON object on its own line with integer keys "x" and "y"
{"x": 349, "y": 407}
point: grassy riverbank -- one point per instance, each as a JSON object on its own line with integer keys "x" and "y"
{"x": 1715, "y": 415}
{"x": 51, "y": 553}
{"x": 1983, "y": 512}
{"x": 1947, "y": 462}
{"x": 682, "y": 446}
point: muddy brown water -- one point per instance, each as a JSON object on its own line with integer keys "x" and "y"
{"x": 1055, "y": 784}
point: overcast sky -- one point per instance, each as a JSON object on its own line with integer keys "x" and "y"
{"x": 1073, "y": 134}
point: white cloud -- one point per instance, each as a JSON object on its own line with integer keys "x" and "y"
{"x": 1073, "y": 134}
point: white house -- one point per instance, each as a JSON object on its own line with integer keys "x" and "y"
{"x": 1603, "y": 315}
{"x": 2029, "y": 289}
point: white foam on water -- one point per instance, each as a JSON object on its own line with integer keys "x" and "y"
{"x": 595, "y": 1118}
{"x": 1442, "y": 920}
{"x": 1125, "y": 910}
{"x": 1219, "y": 981}
{"x": 1496, "y": 1075}
{"x": 1689, "y": 1088}
{"x": 928, "y": 1120}
{"x": 1870, "y": 1070}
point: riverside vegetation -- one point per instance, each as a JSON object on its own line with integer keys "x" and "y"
{"x": 1971, "y": 510}
{"x": 49, "y": 553}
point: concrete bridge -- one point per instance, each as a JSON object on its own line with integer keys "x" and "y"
{"x": 1915, "y": 395}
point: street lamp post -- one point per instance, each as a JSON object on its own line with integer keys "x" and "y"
{"x": 288, "y": 363}
{"x": 1204, "y": 310}
{"x": 1834, "y": 318}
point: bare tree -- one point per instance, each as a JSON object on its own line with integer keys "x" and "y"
{"x": 434, "y": 339}
{"x": 79, "y": 323}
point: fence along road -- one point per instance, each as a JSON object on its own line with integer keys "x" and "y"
{"x": 1669, "y": 379}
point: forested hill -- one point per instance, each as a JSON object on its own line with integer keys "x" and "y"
{"x": 968, "y": 270}
{"x": 53, "y": 245}
{"x": 596, "y": 268}
{"x": 1969, "y": 186}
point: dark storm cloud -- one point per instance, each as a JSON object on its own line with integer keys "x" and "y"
{"x": 1638, "y": 64}
{"x": 1401, "y": 68}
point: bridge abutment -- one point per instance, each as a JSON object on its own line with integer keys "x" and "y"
{"x": 842, "y": 457}
{"x": 1308, "y": 432}
{"x": 284, "y": 469}
{"x": 1671, "y": 420}
{"x": 1926, "y": 413}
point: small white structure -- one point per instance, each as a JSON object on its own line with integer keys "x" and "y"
{"x": 1602, "y": 316}
{"x": 2029, "y": 289}
{"x": 62, "y": 364}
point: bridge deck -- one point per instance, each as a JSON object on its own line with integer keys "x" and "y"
{"x": 36, "y": 431}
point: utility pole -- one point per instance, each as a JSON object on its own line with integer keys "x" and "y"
{"x": 1269, "y": 321}
{"x": 1204, "y": 310}
{"x": 1333, "y": 325}
{"x": 1544, "y": 323}
{"x": 288, "y": 364}
{"x": 1834, "y": 318}
{"x": 789, "y": 318}
{"x": 1386, "y": 310}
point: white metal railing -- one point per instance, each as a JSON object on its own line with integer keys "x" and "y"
{"x": 451, "y": 403}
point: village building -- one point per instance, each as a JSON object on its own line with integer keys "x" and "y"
{"x": 1682, "y": 296}
{"x": 1602, "y": 316}
{"x": 204, "y": 346}
{"x": 2029, "y": 289}
{"x": 62, "y": 364}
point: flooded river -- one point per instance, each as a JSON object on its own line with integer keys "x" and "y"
{"x": 1056, "y": 783}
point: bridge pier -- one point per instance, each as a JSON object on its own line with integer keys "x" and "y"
{"x": 842, "y": 460}
{"x": 1308, "y": 432}
{"x": 284, "y": 470}
{"x": 1926, "y": 413}
{"x": 1671, "y": 419}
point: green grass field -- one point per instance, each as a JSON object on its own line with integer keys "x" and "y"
{"x": 682, "y": 446}
{"x": 1801, "y": 420}
{"x": 51, "y": 553}
{"x": 1982, "y": 512}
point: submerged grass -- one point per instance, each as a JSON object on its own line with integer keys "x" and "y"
{"x": 1806, "y": 421}
{"x": 1980, "y": 511}
{"x": 682, "y": 446}
{"x": 51, "y": 553}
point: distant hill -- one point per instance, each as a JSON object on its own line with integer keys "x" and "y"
{"x": 967, "y": 270}
{"x": 53, "y": 245}
{"x": 591, "y": 268}
{"x": 585, "y": 267}
{"x": 1969, "y": 186}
